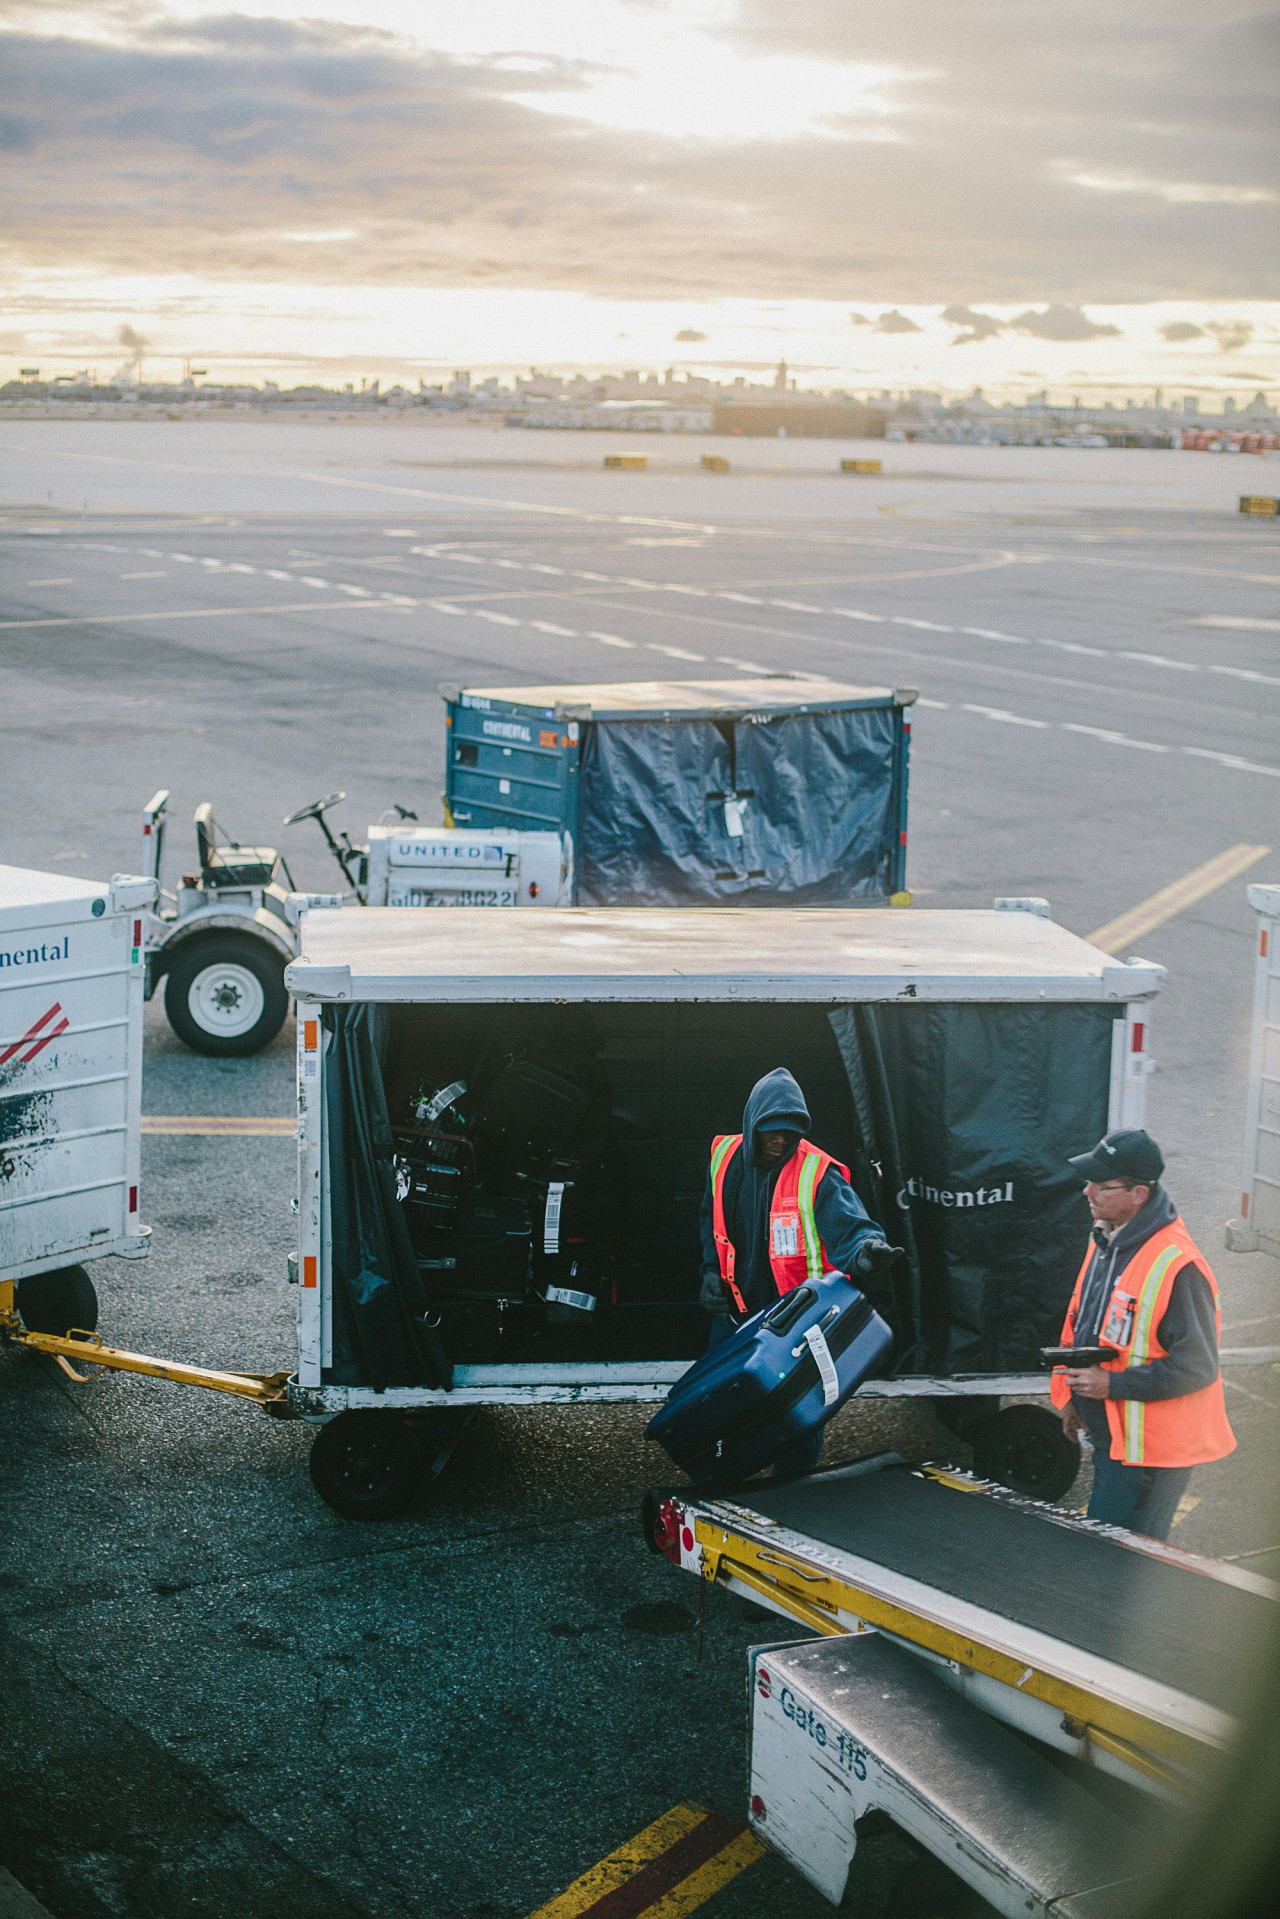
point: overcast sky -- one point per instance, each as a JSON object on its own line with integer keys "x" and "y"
{"x": 1079, "y": 191}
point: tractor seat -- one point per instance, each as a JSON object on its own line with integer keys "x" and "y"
{"x": 240, "y": 866}
{"x": 231, "y": 865}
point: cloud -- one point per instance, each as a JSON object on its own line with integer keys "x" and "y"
{"x": 1062, "y": 323}
{"x": 1230, "y": 334}
{"x": 208, "y": 140}
{"x": 895, "y": 322}
{"x": 980, "y": 326}
{"x": 690, "y": 334}
{"x": 858, "y": 319}
{"x": 1180, "y": 330}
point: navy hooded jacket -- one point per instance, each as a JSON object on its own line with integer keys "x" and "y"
{"x": 777, "y": 1105}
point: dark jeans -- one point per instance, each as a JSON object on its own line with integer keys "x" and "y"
{"x": 798, "y": 1455}
{"x": 1143, "y": 1498}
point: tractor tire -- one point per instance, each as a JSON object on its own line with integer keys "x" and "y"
{"x": 225, "y": 994}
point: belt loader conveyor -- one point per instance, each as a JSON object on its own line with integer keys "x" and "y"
{"x": 1122, "y": 1652}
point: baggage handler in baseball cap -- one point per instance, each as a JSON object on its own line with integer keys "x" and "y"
{"x": 1146, "y": 1291}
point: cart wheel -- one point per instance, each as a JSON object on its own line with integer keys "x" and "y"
{"x": 366, "y": 1465}
{"x": 58, "y": 1303}
{"x": 225, "y": 994}
{"x": 1025, "y": 1448}
{"x": 963, "y": 1416}
{"x": 929, "y": 1890}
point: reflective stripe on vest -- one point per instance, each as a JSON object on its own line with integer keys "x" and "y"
{"x": 796, "y": 1252}
{"x": 1132, "y": 1411}
{"x": 812, "y": 1166}
{"x": 722, "y": 1151}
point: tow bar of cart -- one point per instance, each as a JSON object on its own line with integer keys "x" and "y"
{"x": 268, "y": 1389}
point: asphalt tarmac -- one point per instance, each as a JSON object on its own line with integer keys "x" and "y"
{"x": 217, "y": 1696}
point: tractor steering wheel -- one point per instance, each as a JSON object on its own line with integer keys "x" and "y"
{"x": 315, "y": 810}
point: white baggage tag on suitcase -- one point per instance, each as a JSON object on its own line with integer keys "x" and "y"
{"x": 816, "y": 1340}
{"x": 551, "y": 1218}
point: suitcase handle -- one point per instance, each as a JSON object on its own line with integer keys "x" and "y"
{"x": 780, "y": 1318}
{"x": 829, "y": 1318}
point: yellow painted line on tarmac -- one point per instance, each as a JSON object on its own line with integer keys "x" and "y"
{"x": 665, "y": 1872}
{"x": 245, "y": 1126}
{"x": 701, "y": 1885}
{"x": 1175, "y": 899}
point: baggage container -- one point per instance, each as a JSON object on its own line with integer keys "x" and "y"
{"x": 71, "y": 989}
{"x": 768, "y": 792}
{"x": 952, "y": 1059}
{"x": 1258, "y": 1227}
{"x": 776, "y": 1379}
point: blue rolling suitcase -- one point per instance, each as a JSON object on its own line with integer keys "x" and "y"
{"x": 782, "y": 1374}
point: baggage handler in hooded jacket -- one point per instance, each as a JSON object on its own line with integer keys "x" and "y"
{"x": 1156, "y": 1410}
{"x": 778, "y": 1210}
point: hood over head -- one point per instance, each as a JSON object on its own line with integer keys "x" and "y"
{"x": 776, "y": 1104}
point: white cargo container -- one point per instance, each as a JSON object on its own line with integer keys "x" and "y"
{"x": 447, "y": 866}
{"x": 1258, "y": 1227}
{"x": 71, "y": 987}
{"x": 744, "y": 972}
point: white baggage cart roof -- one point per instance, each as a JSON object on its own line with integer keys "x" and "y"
{"x": 23, "y": 888}
{"x": 413, "y": 955}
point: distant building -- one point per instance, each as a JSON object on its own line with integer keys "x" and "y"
{"x": 797, "y": 419}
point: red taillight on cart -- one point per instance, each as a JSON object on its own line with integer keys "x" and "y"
{"x": 668, "y": 1529}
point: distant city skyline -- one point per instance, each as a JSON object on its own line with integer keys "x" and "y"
{"x": 945, "y": 193}
{"x": 1218, "y": 348}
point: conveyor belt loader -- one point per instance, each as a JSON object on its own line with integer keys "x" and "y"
{"x": 941, "y": 1604}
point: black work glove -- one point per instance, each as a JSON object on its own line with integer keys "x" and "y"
{"x": 874, "y": 1255}
{"x": 714, "y": 1298}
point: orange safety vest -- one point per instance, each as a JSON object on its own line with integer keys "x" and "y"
{"x": 1190, "y": 1430}
{"x": 796, "y": 1252}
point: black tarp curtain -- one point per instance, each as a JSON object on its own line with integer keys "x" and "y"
{"x": 381, "y": 1331}
{"x": 817, "y": 829}
{"x": 966, "y": 1115}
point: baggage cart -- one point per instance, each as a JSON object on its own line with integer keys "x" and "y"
{"x": 779, "y": 791}
{"x": 941, "y": 1604}
{"x": 681, "y": 1012}
{"x": 71, "y": 990}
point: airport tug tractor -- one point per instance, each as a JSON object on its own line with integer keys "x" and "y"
{"x": 222, "y": 939}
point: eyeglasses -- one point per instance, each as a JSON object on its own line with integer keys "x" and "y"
{"x": 1111, "y": 1186}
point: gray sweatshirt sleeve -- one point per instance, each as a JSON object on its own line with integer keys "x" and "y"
{"x": 1189, "y": 1334}
{"x": 841, "y": 1220}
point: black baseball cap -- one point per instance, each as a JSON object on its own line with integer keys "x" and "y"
{"x": 1126, "y": 1155}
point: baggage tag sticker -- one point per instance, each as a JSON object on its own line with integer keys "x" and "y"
{"x": 1117, "y": 1327}
{"x": 551, "y": 1218}
{"x": 785, "y": 1231}
{"x": 816, "y": 1340}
